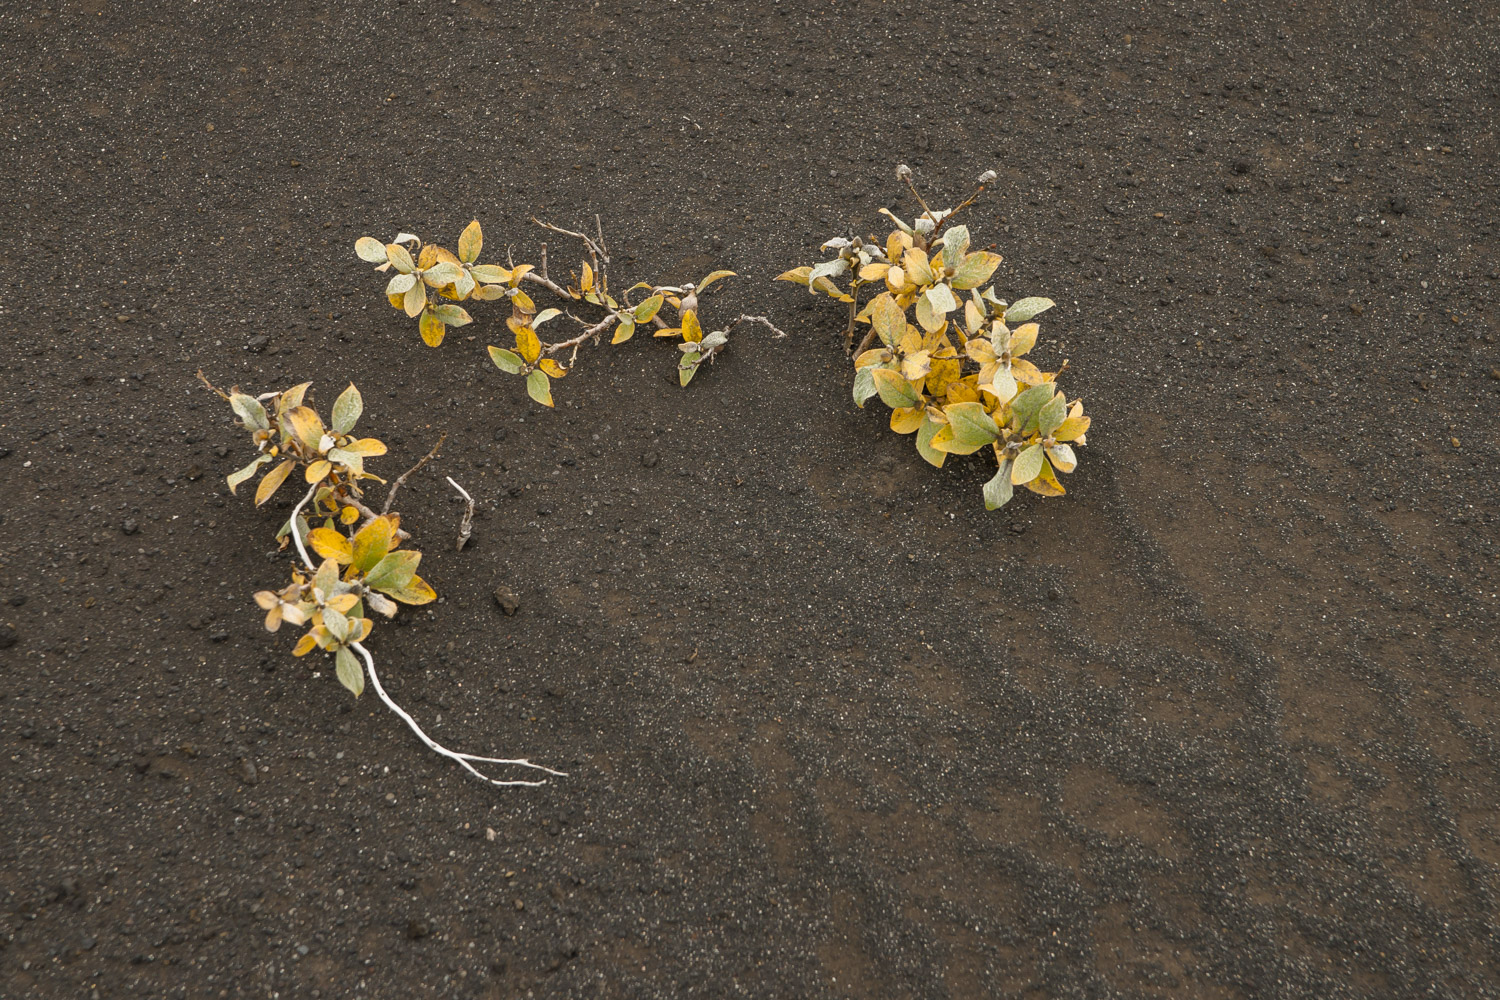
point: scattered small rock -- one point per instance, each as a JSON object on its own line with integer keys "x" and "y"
{"x": 8, "y": 637}
{"x": 417, "y": 929}
{"x": 248, "y": 774}
{"x": 1397, "y": 204}
{"x": 1053, "y": 594}
{"x": 131, "y": 526}
{"x": 257, "y": 343}
{"x": 649, "y": 459}
{"x": 507, "y": 600}
{"x": 18, "y": 600}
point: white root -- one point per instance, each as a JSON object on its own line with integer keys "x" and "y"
{"x": 465, "y": 760}
{"x": 465, "y": 526}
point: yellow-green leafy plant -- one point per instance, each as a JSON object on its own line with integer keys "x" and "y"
{"x": 431, "y": 284}
{"x": 951, "y": 355}
{"x": 362, "y": 564}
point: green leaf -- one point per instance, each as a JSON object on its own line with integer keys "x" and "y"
{"x": 346, "y": 410}
{"x": 894, "y": 390}
{"x": 453, "y": 315}
{"x": 924, "y": 442}
{"x": 506, "y": 361}
{"x": 687, "y": 368}
{"x": 394, "y": 571}
{"x": 955, "y": 243}
{"x": 999, "y": 490}
{"x": 336, "y": 624}
{"x": 235, "y": 478}
{"x": 864, "y": 386}
{"x": 1028, "y": 404}
{"x": 1050, "y": 417}
{"x": 250, "y": 412}
{"x": 539, "y": 387}
{"x": 1020, "y": 312}
{"x": 623, "y": 332}
{"x": 544, "y": 316}
{"x": 349, "y": 671}
{"x": 646, "y": 310}
{"x": 972, "y": 427}
{"x": 1028, "y": 465}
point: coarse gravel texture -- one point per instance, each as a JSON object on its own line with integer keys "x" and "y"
{"x": 1221, "y": 723}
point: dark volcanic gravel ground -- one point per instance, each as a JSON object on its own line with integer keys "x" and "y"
{"x": 1221, "y": 723}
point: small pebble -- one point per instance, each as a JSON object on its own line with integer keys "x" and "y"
{"x": 507, "y": 600}
{"x": 131, "y": 526}
{"x": 248, "y": 773}
{"x": 649, "y": 459}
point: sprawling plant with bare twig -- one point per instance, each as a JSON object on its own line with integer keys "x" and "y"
{"x": 422, "y": 283}
{"x": 363, "y": 564}
{"x": 957, "y": 376}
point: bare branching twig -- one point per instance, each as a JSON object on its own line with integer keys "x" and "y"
{"x": 390, "y": 496}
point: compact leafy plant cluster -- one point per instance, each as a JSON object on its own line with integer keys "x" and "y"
{"x": 422, "y": 283}
{"x": 363, "y": 562}
{"x": 950, "y": 360}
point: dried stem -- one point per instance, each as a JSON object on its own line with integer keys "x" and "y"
{"x": 747, "y": 318}
{"x": 465, "y": 526}
{"x": 390, "y": 496}
{"x": 204, "y": 379}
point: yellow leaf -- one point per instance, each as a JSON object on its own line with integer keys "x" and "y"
{"x": 1023, "y": 339}
{"x": 944, "y": 374}
{"x": 668, "y": 331}
{"x": 917, "y": 267}
{"x": 552, "y": 368}
{"x": 318, "y": 471}
{"x": 710, "y": 279}
{"x": 523, "y": 302}
{"x": 800, "y": 275}
{"x": 366, "y": 447}
{"x": 272, "y": 481}
{"x": 587, "y": 283}
{"x": 305, "y": 426}
{"x": 370, "y": 544}
{"x": 432, "y": 329}
{"x": 415, "y": 299}
{"x": 445, "y": 256}
{"x": 427, "y": 257}
{"x": 330, "y": 545}
{"x": 528, "y": 345}
{"x": 471, "y": 242}
{"x": 907, "y": 419}
{"x": 343, "y": 603}
{"x": 691, "y": 331}
{"x": 1072, "y": 429}
{"x": 623, "y": 332}
{"x": 873, "y": 272}
{"x": 876, "y": 356}
{"x": 942, "y": 439}
{"x": 399, "y": 301}
{"x": 1046, "y": 482}
{"x": 305, "y": 645}
{"x": 348, "y": 515}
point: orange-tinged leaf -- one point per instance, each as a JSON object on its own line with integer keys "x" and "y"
{"x": 416, "y": 591}
{"x": 305, "y": 645}
{"x": 586, "y": 283}
{"x": 272, "y": 482}
{"x": 427, "y": 257}
{"x": 552, "y": 368}
{"x": 873, "y": 272}
{"x": 668, "y": 331}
